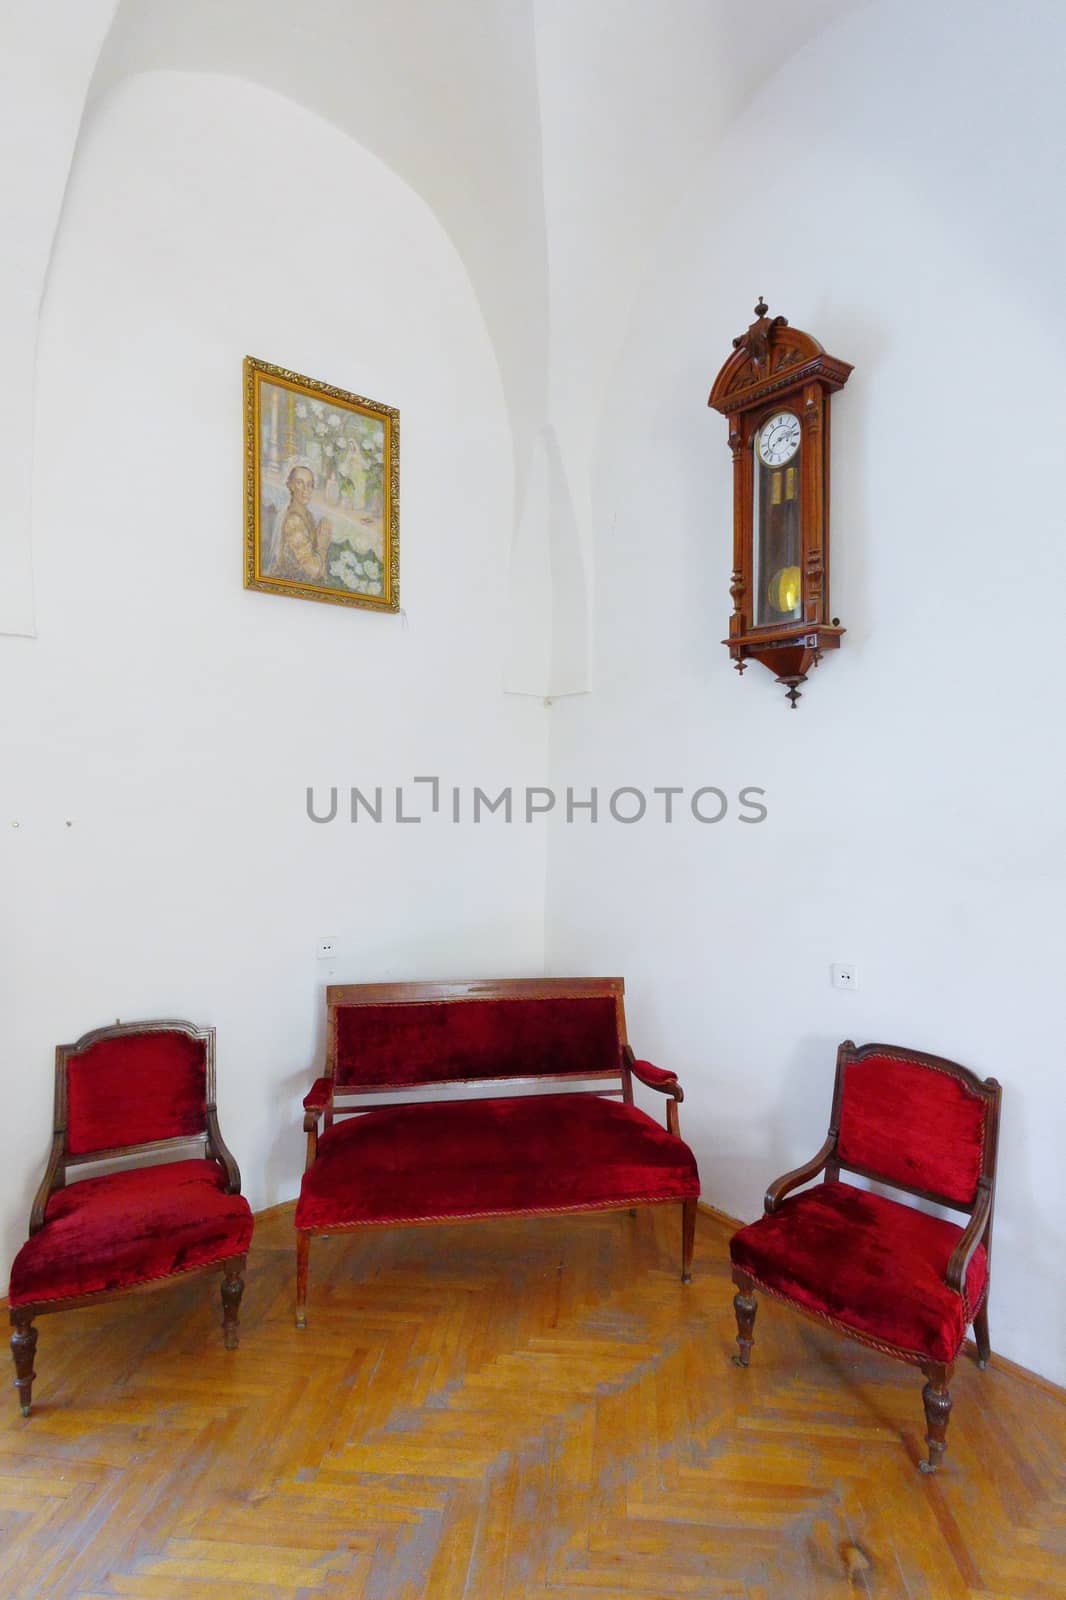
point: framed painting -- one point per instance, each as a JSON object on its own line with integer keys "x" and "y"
{"x": 321, "y": 485}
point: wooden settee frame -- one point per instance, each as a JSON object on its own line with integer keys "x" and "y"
{"x": 327, "y": 1100}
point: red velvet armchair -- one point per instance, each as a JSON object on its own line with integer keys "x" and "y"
{"x": 135, "y": 1089}
{"x": 879, "y": 1271}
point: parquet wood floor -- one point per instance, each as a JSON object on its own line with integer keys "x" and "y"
{"x": 509, "y": 1410}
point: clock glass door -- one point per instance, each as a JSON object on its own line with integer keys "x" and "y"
{"x": 776, "y": 545}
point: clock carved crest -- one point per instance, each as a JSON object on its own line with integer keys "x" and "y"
{"x": 774, "y": 391}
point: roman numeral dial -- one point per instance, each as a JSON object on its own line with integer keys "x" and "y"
{"x": 779, "y": 439}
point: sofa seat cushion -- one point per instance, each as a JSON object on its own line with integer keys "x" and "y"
{"x": 480, "y": 1158}
{"x": 871, "y": 1265}
{"x": 108, "y": 1233}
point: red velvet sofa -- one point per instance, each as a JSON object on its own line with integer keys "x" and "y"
{"x": 512, "y": 1149}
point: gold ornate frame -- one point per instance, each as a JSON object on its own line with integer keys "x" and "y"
{"x": 255, "y": 372}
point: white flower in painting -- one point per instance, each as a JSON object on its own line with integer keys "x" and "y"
{"x": 374, "y": 588}
{"x": 329, "y": 450}
{"x": 317, "y": 407}
{"x": 301, "y": 409}
{"x": 320, "y": 428}
{"x": 346, "y": 569}
{"x": 342, "y": 444}
{"x": 334, "y": 420}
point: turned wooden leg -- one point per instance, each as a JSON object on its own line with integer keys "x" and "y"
{"x": 303, "y": 1252}
{"x": 980, "y": 1333}
{"x": 745, "y": 1305}
{"x": 688, "y": 1239}
{"x": 937, "y": 1411}
{"x": 232, "y": 1289}
{"x": 23, "y": 1348}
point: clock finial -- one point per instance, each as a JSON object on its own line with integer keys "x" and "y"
{"x": 756, "y": 340}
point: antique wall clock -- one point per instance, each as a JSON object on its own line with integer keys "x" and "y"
{"x": 775, "y": 390}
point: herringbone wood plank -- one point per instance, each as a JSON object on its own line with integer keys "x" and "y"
{"x": 510, "y": 1410}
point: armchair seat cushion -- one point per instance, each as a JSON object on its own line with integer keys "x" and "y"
{"x": 109, "y": 1233}
{"x": 871, "y": 1265}
{"x": 494, "y": 1157}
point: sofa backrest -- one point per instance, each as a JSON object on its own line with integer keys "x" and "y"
{"x": 406, "y": 1035}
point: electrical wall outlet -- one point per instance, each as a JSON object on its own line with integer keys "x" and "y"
{"x": 326, "y": 949}
{"x": 845, "y": 975}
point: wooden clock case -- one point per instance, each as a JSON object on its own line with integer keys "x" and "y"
{"x": 774, "y": 367}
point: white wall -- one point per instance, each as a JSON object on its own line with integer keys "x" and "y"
{"x": 174, "y": 718}
{"x": 894, "y": 191}
{"x": 632, "y": 95}
{"x": 46, "y": 61}
{"x": 445, "y": 94}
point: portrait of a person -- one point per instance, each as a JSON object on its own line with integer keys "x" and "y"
{"x": 321, "y": 518}
{"x": 300, "y": 543}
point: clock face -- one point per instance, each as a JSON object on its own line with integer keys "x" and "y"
{"x": 779, "y": 439}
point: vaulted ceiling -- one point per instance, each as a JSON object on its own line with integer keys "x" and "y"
{"x": 551, "y": 140}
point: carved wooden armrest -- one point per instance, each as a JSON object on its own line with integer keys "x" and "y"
{"x": 318, "y": 1103}
{"x": 800, "y": 1175}
{"x": 955, "y": 1276}
{"x": 653, "y": 1077}
{"x": 48, "y": 1182}
{"x": 218, "y": 1147}
{"x": 656, "y": 1078}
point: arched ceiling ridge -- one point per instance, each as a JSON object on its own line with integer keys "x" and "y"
{"x": 48, "y": 58}
{"x": 629, "y": 115}
{"x": 445, "y": 96}
{"x": 550, "y": 149}
{"x": 630, "y": 118}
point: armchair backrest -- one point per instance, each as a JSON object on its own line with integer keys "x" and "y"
{"x": 390, "y": 1036}
{"x": 134, "y": 1084}
{"x": 916, "y": 1121}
